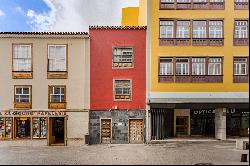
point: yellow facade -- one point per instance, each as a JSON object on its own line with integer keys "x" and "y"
{"x": 135, "y": 16}
{"x": 228, "y": 51}
{"x": 130, "y": 16}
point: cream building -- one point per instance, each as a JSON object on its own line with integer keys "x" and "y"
{"x": 44, "y": 92}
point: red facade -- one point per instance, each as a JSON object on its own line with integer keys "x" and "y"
{"x": 102, "y": 74}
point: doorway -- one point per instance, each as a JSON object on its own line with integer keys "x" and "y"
{"x": 181, "y": 125}
{"x": 136, "y": 128}
{"x": 57, "y": 131}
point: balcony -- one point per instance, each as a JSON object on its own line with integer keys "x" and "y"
{"x": 201, "y": 6}
{"x": 241, "y": 5}
{"x": 241, "y": 42}
{"x": 217, "y": 5}
{"x": 167, "y": 5}
{"x": 182, "y": 78}
{"x": 184, "y": 6}
{"x": 240, "y": 78}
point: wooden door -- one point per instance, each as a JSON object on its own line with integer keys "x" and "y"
{"x": 106, "y": 131}
{"x": 136, "y": 131}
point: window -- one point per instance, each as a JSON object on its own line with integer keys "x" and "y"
{"x": 241, "y": 29}
{"x": 240, "y": 66}
{"x": 5, "y": 128}
{"x": 166, "y": 29}
{"x": 166, "y": 66}
{"x": 123, "y": 57}
{"x": 39, "y": 127}
{"x": 122, "y": 89}
{"x": 198, "y": 66}
{"x": 57, "y": 97}
{"x": 182, "y": 66}
{"x": 200, "y": 29}
{"x": 183, "y": 29}
{"x": 22, "y": 60}
{"x": 57, "y": 58}
{"x": 22, "y": 94}
{"x": 214, "y": 66}
{"x": 57, "y": 94}
{"x": 215, "y": 29}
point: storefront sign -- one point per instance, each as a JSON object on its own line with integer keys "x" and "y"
{"x": 33, "y": 113}
{"x": 210, "y": 111}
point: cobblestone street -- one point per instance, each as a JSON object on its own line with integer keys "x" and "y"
{"x": 168, "y": 153}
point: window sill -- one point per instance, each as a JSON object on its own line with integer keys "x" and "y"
{"x": 191, "y": 79}
{"x": 57, "y": 74}
{"x": 22, "y": 75}
{"x": 57, "y": 105}
{"x": 241, "y": 42}
{"x": 23, "y": 105}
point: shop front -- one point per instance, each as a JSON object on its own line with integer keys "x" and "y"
{"x": 34, "y": 125}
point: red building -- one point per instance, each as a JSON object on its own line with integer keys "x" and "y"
{"x": 117, "y": 80}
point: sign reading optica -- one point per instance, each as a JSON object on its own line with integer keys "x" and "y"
{"x": 32, "y": 113}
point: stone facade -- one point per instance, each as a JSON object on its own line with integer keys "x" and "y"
{"x": 120, "y": 125}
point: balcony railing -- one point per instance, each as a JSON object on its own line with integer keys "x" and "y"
{"x": 192, "y": 5}
{"x": 241, "y": 42}
{"x": 190, "y": 78}
{"x": 240, "y": 78}
{"x": 241, "y": 5}
{"x": 175, "y": 41}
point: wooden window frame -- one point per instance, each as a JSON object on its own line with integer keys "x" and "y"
{"x": 175, "y": 41}
{"x": 57, "y": 74}
{"x": 57, "y": 105}
{"x": 241, "y": 5}
{"x": 191, "y": 78}
{"x": 131, "y": 90}
{"x": 22, "y": 105}
{"x": 22, "y": 74}
{"x": 192, "y": 5}
{"x": 241, "y": 78}
{"x": 195, "y": 41}
{"x": 166, "y": 78}
{"x": 241, "y": 41}
{"x": 11, "y": 129}
{"x": 123, "y": 66}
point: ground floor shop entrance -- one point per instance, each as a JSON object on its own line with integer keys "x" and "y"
{"x": 136, "y": 129}
{"x": 57, "y": 132}
{"x": 182, "y": 123}
{"x": 162, "y": 123}
{"x": 202, "y": 122}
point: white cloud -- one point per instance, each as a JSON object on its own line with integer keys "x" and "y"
{"x": 2, "y": 13}
{"x": 77, "y": 15}
{"x": 19, "y": 10}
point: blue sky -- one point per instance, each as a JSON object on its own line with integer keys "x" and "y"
{"x": 62, "y": 15}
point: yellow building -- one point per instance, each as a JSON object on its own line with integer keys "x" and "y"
{"x": 197, "y": 68}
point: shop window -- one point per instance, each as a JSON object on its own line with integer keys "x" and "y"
{"x": 39, "y": 127}
{"x": 241, "y": 4}
{"x": 123, "y": 57}
{"x": 57, "y": 97}
{"x": 22, "y": 127}
{"x": 22, "y": 61}
{"x": 241, "y": 33}
{"x": 122, "y": 90}
{"x": 23, "y": 97}
{"x": 240, "y": 70}
{"x": 166, "y": 70}
{"x": 57, "y": 61}
{"x": 5, "y": 128}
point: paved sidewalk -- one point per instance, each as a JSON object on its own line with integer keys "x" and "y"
{"x": 214, "y": 152}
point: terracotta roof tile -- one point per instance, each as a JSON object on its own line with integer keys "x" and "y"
{"x": 44, "y": 34}
{"x": 118, "y": 27}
